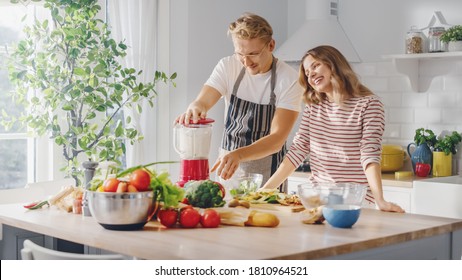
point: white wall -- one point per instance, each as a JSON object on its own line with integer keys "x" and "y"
{"x": 197, "y": 40}
{"x": 378, "y": 27}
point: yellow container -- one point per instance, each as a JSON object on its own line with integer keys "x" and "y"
{"x": 392, "y": 158}
{"x": 403, "y": 174}
{"x": 442, "y": 164}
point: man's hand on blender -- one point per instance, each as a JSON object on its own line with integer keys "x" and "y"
{"x": 227, "y": 165}
{"x": 194, "y": 112}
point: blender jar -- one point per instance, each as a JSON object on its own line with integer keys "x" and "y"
{"x": 192, "y": 142}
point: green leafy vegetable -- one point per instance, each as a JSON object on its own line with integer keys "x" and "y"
{"x": 204, "y": 194}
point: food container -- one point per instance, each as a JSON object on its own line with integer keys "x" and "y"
{"x": 122, "y": 211}
{"x": 341, "y": 202}
{"x": 434, "y": 41}
{"x": 415, "y": 41}
{"x": 392, "y": 158}
{"x": 246, "y": 184}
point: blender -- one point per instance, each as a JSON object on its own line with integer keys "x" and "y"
{"x": 192, "y": 143}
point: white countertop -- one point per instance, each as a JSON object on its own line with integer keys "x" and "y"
{"x": 388, "y": 179}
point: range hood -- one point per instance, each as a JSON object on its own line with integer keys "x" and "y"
{"x": 320, "y": 28}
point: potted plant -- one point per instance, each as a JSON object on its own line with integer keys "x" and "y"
{"x": 424, "y": 139}
{"x": 443, "y": 150}
{"x": 67, "y": 74}
{"x": 424, "y": 136}
{"x": 453, "y": 37}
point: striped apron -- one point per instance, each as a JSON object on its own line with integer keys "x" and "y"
{"x": 246, "y": 122}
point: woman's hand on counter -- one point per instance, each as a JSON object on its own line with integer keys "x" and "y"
{"x": 389, "y": 206}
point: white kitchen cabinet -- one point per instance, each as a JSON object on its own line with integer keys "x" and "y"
{"x": 438, "y": 196}
{"x": 410, "y": 65}
{"x": 399, "y": 195}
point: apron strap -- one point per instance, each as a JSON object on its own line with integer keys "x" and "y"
{"x": 273, "y": 81}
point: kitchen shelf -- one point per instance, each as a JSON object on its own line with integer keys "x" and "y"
{"x": 409, "y": 64}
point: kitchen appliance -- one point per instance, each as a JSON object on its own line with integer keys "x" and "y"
{"x": 441, "y": 196}
{"x": 192, "y": 142}
{"x": 321, "y": 27}
{"x": 392, "y": 158}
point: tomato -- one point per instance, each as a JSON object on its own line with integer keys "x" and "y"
{"x": 110, "y": 185}
{"x": 167, "y": 217}
{"x": 189, "y": 217}
{"x": 140, "y": 179}
{"x": 210, "y": 218}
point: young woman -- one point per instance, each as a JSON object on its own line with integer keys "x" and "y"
{"x": 341, "y": 127}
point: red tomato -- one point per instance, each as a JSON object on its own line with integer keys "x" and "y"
{"x": 140, "y": 179}
{"x": 167, "y": 217}
{"x": 210, "y": 218}
{"x": 189, "y": 217}
{"x": 110, "y": 185}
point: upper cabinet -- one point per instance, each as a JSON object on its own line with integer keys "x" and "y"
{"x": 410, "y": 64}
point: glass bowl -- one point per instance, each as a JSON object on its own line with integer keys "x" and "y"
{"x": 341, "y": 201}
{"x": 249, "y": 183}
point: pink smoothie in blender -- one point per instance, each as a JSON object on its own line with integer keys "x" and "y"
{"x": 192, "y": 143}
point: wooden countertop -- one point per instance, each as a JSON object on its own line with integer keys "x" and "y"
{"x": 290, "y": 240}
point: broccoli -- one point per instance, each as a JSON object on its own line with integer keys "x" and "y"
{"x": 205, "y": 194}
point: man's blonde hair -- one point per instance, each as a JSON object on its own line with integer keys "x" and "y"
{"x": 251, "y": 26}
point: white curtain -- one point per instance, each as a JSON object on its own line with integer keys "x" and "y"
{"x": 135, "y": 21}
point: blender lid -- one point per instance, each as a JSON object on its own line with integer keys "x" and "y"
{"x": 202, "y": 121}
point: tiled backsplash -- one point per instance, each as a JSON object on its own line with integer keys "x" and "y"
{"x": 439, "y": 108}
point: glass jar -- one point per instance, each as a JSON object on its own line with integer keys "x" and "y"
{"x": 434, "y": 40}
{"x": 415, "y": 41}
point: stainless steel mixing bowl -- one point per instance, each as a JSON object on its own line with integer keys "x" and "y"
{"x": 121, "y": 211}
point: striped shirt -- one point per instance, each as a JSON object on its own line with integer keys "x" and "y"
{"x": 341, "y": 141}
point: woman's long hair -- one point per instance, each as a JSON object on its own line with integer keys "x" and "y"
{"x": 344, "y": 80}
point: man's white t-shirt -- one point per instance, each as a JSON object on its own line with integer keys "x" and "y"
{"x": 257, "y": 88}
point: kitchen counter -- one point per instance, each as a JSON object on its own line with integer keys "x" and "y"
{"x": 388, "y": 179}
{"x": 376, "y": 235}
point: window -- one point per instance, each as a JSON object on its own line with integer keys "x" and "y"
{"x": 17, "y": 151}
{"x": 23, "y": 159}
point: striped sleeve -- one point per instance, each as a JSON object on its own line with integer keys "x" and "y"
{"x": 300, "y": 147}
{"x": 373, "y": 116}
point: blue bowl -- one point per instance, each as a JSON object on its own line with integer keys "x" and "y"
{"x": 341, "y": 215}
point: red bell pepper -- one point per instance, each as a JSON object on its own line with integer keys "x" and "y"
{"x": 422, "y": 169}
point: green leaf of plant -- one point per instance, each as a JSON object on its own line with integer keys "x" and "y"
{"x": 119, "y": 129}
{"x": 67, "y": 107}
{"x": 79, "y": 72}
